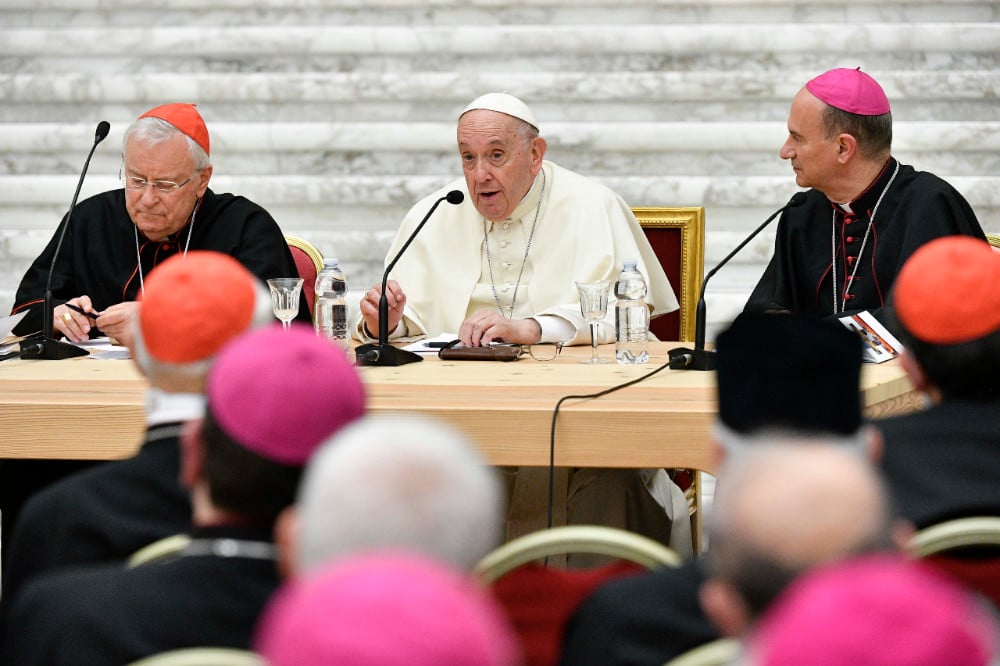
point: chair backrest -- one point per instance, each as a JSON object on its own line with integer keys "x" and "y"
{"x": 538, "y": 601}
{"x": 202, "y": 656}
{"x": 677, "y": 236}
{"x": 966, "y": 548}
{"x": 994, "y": 240}
{"x": 308, "y": 262}
{"x": 164, "y": 548}
{"x": 720, "y": 652}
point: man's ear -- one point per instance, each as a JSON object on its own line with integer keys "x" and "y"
{"x": 913, "y": 370}
{"x": 723, "y": 605}
{"x": 192, "y": 452}
{"x": 286, "y": 538}
{"x": 874, "y": 443}
{"x": 847, "y": 147}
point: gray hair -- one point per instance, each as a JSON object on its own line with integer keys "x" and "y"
{"x": 157, "y": 130}
{"x": 399, "y": 482}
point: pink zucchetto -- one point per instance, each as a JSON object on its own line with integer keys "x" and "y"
{"x": 384, "y": 609}
{"x": 502, "y": 103}
{"x": 964, "y": 270}
{"x": 192, "y": 305}
{"x": 850, "y": 90}
{"x": 281, "y": 393}
{"x": 880, "y": 611}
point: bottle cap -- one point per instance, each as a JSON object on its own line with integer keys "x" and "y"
{"x": 629, "y": 264}
{"x": 330, "y": 261}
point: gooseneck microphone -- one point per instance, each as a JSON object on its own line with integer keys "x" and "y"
{"x": 45, "y": 346}
{"x": 383, "y": 353}
{"x": 700, "y": 358}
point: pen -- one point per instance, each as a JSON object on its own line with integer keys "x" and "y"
{"x": 436, "y": 344}
{"x": 76, "y": 308}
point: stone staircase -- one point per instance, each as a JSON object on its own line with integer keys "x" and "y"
{"x": 337, "y": 115}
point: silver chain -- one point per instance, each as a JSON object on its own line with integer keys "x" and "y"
{"x": 864, "y": 241}
{"x": 489, "y": 262}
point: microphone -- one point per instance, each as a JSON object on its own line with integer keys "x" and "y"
{"x": 383, "y": 353}
{"x": 700, "y": 358}
{"x": 45, "y": 346}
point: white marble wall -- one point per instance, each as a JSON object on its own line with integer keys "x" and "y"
{"x": 338, "y": 114}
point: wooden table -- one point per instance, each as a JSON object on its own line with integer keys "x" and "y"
{"x": 89, "y": 409}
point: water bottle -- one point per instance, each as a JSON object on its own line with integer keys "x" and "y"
{"x": 330, "y": 306}
{"x": 631, "y": 315}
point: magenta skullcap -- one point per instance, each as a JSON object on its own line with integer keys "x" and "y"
{"x": 875, "y": 610}
{"x": 850, "y": 90}
{"x": 281, "y": 393}
{"x": 385, "y": 609}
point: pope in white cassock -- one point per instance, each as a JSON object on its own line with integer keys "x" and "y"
{"x": 502, "y": 266}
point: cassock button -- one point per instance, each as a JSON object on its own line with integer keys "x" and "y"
{"x": 504, "y": 243}
{"x": 506, "y": 264}
{"x": 165, "y": 247}
{"x": 506, "y": 288}
{"x": 849, "y": 239}
{"x": 505, "y": 225}
{"x": 850, "y": 260}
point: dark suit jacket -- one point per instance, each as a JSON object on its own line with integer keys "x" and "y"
{"x": 643, "y": 619}
{"x": 944, "y": 462}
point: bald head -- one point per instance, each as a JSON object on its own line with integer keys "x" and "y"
{"x": 782, "y": 509}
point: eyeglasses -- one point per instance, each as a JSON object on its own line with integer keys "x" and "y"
{"x": 542, "y": 351}
{"x": 137, "y": 183}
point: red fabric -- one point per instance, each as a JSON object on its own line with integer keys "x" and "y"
{"x": 307, "y": 271}
{"x": 666, "y": 244}
{"x": 539, "y": 601}
{"x": 981, "y": 575}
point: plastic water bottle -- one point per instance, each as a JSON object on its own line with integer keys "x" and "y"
{"x": 631, "y": 315}
{"x": 330, "y": 306}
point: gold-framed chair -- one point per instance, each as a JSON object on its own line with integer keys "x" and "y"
{"x": 954, "y": 534}
{"x": 162, "y": 549}
{"x": 538, "y": 600}
{"x": 308, "y": 262}
{"x": 719, "y": 652}
{"x": 966, "y": 548}
{"x": 202, "y": 656}
{"x": 677, "y": 236}
{"x": 994, "y": 240}
{"x": 569, "y": 539}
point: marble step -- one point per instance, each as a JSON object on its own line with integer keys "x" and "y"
{"x": 168, "y": 44}
{"x": 450, "y": 12}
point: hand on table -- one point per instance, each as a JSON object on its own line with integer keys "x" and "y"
{"x": 73, "y": 325}
{"x": 369, "y": 306}
{"x": 486, "y": 326}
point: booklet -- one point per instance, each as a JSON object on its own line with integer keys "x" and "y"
{"x": 880, "y": 344}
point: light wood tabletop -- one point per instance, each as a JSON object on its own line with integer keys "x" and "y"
{"x": 93, "y": 409}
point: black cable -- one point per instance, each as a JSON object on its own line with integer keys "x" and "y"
{"x": 555, "y": 414}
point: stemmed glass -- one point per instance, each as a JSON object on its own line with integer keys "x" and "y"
{"x": 285, "y": 298}
{"x": 593, "y": 307}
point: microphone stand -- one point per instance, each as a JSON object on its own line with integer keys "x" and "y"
{"x": 44, "y": 345}
{"x": 700, "y": 358}
{"x": 383, "y": 353}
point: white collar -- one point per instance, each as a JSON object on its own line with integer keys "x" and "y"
{"x": 163, "y": 407}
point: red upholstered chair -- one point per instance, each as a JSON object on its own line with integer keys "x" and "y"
{"x": 677, "y": 236}
{"x": 966, "y": 548}
{"x": 539, "y": 600}
{"x": 309, "y": 262}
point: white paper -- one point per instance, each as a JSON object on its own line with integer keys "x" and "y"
{"x": 7, "y": 324}
{"x": 880, "y": 344}
{"x": 421, "y": 346}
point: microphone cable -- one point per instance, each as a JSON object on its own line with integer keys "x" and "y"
{"x": 584, "y": 396}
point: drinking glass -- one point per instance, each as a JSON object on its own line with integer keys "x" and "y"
{"x": 285, "y": 298}
{"x": 593, "y": 307}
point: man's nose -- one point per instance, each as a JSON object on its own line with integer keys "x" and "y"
{"x": 786, "y": 151}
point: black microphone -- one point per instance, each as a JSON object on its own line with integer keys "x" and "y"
{"x": 383, "y": 353}
{"x": 700, "y": 358}
{"x": 45, "y": 346}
